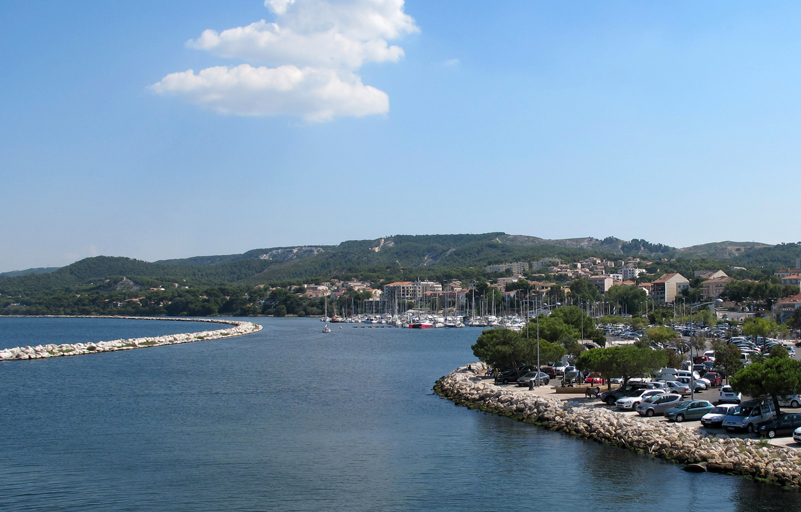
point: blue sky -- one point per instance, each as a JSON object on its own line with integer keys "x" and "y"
{"x": 676, "y": 122}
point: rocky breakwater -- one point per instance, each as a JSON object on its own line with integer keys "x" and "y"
{"x": 51, "y": 350}
{"x": 673, "y": 442}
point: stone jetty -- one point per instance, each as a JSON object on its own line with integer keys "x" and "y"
{"x": 75, "y": 349}
{"x": 669, "y": 441}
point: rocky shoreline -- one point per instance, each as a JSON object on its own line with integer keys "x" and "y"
{"x": 75, "y": 349}
{"x": 672, "y": 442}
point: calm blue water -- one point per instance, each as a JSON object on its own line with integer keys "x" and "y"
{"x": 21, "y": 332}
{"x": 293, "y": 419}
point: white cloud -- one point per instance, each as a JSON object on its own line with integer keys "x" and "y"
{"x": 316, "y": 46}
{"x": 315, "y": 94}
{"x": 451, "y": 63}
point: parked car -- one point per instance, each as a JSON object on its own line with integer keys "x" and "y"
{"x": 749, "y": 415}
{"x": 714, "y": 379}
{"x": 783, "y": 426}
{"x": 692, "y": 410}
{"x": 631, "y": 388}
{"x": 550, "y": 371}
{"x": 677, "y": 387}
{"x": 507, "y": 377}
{"x": 793, "y": 401}
{"x": 594, "y": 378}
{"x": 797, "y": 435}
{"x": 727, "y": 395}
{"x": 658, "y": 404}
{"x": 714, "y": 418}
{"x": 524, "y": 380}
{"x": 631, "y": 402}
{"x": 698, "y": 385}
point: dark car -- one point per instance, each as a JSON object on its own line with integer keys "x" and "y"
{"x": 611, "y": 397}
{"x": 550, "y": 370}
{"x": 784, "y": 426}
{"x": 508, "y": 376}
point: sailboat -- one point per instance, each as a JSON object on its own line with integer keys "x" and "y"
{"x": 325, "y": 317}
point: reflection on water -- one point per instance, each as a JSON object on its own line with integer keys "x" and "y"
{"x": 293, "y": 419}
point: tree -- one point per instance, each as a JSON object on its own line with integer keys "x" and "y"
{"x": 758, "y": 327}
{"x": 698, "y": 344}
{"x": 504, "y": 348}
{"x": 727, "y": 358}
{"x": 579, "y": 320}
{"x": 625, "y": 362}
{"x": 776, "y": 376}
{"x": 675, "y": 358}
{"x": 661, "y": 334}
{"x": 629, "y": 299}
{"x": 582, "y": 290}
{"x": 794, "y": 322}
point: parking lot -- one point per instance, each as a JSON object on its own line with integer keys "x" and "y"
{"x": 579, "y": 400}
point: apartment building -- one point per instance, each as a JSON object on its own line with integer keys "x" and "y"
{"x": 666, "y": 288}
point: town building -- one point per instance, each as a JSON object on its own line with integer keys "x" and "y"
{"x": 666, "y": 288}
{"x": 603, "y": 283}
{"x": 518, "y": 267}
{"x": 784, "y": 308}
{"x": 631, "y": 273}
{"x": 794, "y": 279}
{"x": 712, "y": 288}
{"x": 545, "y": 262}
{"x": 709, "y": 274}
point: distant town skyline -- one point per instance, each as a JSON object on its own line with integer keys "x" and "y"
{"x": 159, "y": 131}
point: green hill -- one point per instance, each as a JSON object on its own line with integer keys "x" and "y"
{"x": 399, "y": 256}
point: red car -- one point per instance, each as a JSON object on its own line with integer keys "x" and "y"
{"x": 594, "y": 379}
{"x": 714, "y": 378}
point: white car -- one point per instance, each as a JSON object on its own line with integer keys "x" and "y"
{"x": 714, "y": 418}
{"x": 797, "y": 435}
{"x": 790, "y": 401}
{"x": 727, "y": 395}
{"x": 630, "y": 403}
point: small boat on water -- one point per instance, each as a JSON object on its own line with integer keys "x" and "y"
{"x": 326, "y": 328}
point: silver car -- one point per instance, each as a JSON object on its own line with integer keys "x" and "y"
{"x": 658, "y": 404}
{"x": 677, "y": 387}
